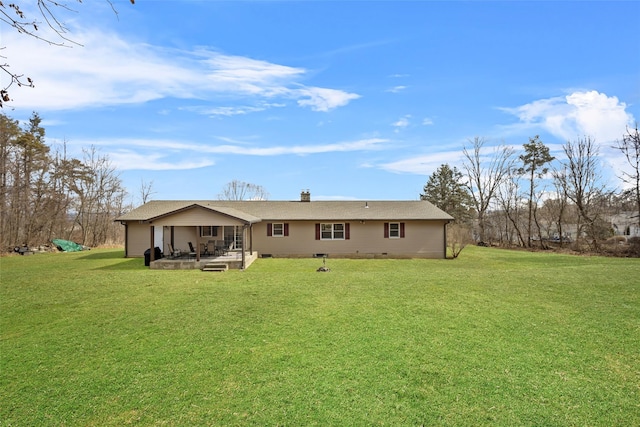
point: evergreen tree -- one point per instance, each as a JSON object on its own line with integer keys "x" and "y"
{"x": 534, "y": 159}
{"x": 446, "y": 190}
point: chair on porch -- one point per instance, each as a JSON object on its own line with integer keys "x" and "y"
{"x": 222, "y": 248}
{"x": 211, "y": 247}
{"x": 192, "y": 250}
{"x": 173, "y": 253}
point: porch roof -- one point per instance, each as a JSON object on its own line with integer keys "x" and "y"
{"x": 156, "y": 212}
{"x": 256, "y": 211}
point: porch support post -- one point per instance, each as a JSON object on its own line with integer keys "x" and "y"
{"x": 250, "y": 239}
{"x": 152, "y": 254}
{"x": 198, "y": 243}
{"x": 244, "y": 233}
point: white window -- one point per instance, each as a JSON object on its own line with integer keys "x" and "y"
{"x": 332, "y": 231}
{"x": 394, "y": 230}
{"x": 278, "y": 229}
{"x": 208, "y": 231}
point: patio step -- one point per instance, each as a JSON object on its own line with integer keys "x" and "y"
{"x": 213, "y": 266}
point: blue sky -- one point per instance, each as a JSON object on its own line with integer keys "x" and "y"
{"x": 351, "y": 100}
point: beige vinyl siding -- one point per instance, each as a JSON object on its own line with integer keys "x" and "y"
{"x": 197, "y": 216}
{"x": 139, "y": 239}
{"x": 183, "y": 235}
{"x": 422, "y": 239}
{"x": 424, "y": 227}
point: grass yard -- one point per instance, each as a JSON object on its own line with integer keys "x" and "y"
{"x": 495, "y": 337}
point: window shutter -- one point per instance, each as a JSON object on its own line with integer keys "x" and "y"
{"x": 317, "y": 231}
{"x": 386, "y": 230}
{"x": 346, "y": 231}
{"x": 402, "y": 230}
{"x": 286, "y": 228}
{"x": 269, "y": 229}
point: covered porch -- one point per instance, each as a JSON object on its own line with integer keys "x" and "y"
{"x": 196, "y": 236}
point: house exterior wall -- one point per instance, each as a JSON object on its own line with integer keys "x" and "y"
{"x": 183, "y": 235}
{"x": 424, "y": 239}
{"x": 138, "y": 239}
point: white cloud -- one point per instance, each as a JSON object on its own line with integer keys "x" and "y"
{"x": 423, "y": 165}
{"x": 576, "y": 115}
{"x": 401, "y": 123}
{"x": 130, "y": 160}
{"x": 321, "y": 99}
{"x": 109, "y": 71}
{"x": 135, "y": 155}
{"x": 225, "y": 111}
{"x": 427, "y": 121}
{"x": 397, "y": 89}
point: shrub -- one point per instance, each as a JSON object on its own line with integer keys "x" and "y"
{"x": 634, "y": 246}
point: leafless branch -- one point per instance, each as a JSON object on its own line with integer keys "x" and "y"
{"x": 15, "y": 17}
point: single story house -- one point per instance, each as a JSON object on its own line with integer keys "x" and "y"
{"x": 304, "y": 228}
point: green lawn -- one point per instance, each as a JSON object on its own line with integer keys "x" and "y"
{"x": 492, "y": 338}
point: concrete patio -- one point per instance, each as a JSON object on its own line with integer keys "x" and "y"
{"x": 232, "y": 260}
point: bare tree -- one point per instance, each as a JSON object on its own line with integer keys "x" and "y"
{"x": 146, "y": 191}
{"x": 630, "y": 148}
{"x": 98, "y": 197}
{"x": 17, "y": 18}
{"x": 559, "y": 206}
{"x": 508, "y": 195}
{"x": 458, "y": 236}
{"x": 240, "y": 190}
{"x": 9, "y": 133}
{"x": 583, "y": 185}
{"x": 485, "y": 173}
{"x": 60, "y": 198}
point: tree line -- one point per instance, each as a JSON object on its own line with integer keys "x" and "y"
{"x": 526, "y": 199}
{"x": 47, "y": 194}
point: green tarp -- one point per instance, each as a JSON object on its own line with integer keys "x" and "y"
{"x": 67, "y": 246}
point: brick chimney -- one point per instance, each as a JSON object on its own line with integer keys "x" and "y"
{"x": 305, "y": 196}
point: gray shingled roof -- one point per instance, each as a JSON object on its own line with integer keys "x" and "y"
{"x": 266, "y": 210}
